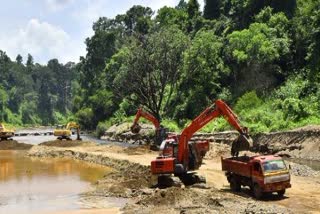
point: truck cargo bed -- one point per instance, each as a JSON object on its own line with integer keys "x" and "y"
{"x": 238, "y": 165}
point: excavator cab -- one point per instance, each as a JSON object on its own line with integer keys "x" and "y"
{"x": 60, "y": 126}
{"x": 169, "y": 148}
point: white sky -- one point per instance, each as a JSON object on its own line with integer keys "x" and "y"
{"x": 57, "y": 28}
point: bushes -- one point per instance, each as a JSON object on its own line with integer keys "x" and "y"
{"x": 102, "y": 127}
{"x": 171, "y": 125}
{"x": 290, "y": 106}
{"x": 85, "y": 117}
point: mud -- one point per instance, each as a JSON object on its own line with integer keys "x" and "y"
{"x": 132, "y": 179}
{"x": 67, "y": 143}
{"x": 13, "y": 145}
{"x": 195, "y": 200}
{"x": 301, "y": 143}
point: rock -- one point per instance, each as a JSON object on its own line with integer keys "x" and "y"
{"x": 302, "y": 170}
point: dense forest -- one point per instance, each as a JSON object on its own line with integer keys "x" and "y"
{"x": 261, "y": 56}
{"x": 33, "y": 94}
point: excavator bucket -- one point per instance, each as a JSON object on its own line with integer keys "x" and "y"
{"x": 135, "y": 128}
{"x": 242, "y": 143}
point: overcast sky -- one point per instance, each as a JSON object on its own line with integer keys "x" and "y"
{"x": 57, "y": 28}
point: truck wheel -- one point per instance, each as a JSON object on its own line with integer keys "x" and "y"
{"x": 257, "y": 191}
{"x": 281, "y": 193}
{"x": 235, "y": 185}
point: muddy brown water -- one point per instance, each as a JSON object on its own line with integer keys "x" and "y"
{"x": 31, "y": 185}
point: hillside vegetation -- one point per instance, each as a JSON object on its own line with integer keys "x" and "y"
{"x": 261, "y": 56}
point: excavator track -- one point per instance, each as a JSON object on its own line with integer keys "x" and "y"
{"x": 165, "y": 181}
{"x": 187, "y": 179}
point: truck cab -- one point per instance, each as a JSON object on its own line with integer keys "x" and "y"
{"x": 262, "y": 173}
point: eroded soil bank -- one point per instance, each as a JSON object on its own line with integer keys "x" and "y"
{"x": 132, "y": 180}
{"x": 302, "y": 143}
{"x": 13, "y": 145}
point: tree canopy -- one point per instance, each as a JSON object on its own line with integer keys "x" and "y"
{"x": 261, "y": 56}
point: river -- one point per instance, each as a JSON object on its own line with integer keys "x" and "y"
{"x": 32, "y": 185}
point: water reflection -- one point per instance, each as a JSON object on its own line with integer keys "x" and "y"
{"x": 31, "y": 185}
{"x": 13, "y": 164}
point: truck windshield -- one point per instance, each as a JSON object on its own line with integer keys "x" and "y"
{"x": 274, "y": 165}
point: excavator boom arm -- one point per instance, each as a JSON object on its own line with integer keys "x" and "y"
{"x": 148, "y": 116}
{"x": 71, "y": 125}
{"x": 217, "y": 109}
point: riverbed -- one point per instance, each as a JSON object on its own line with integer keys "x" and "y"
{"x": 51, "y": 185}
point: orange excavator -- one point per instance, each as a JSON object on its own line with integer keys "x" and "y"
{"x": 179, "y": 156}
{"x": 161, "y": 133}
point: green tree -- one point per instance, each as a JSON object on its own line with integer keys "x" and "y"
{"x": 3, "y": 102}
{"x": 203, "y": 72}
{"x": 212, "y": 9}
{"x": 62, "y": 84}
{"x": 44, "y": 107}
{"x": 313, "y": 39}
{"x": 150, "y": 72}
{"x": 19, "y": 59}
{"x": 136, "y": 20}
{"x": 258, "y": 43}
{"x": 29, "y": 60}
{"x": 167, "y": 16}
{"x": 100, "y": 47}
{"x": 193, "y": 9}
{"x": 182, "y": 5}
{"x": 257, "y": 52}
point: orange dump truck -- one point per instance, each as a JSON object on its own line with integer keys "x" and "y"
{"x": 262, "y": 173}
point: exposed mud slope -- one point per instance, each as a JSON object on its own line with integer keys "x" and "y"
{"x": 196, "y": 200}
{"x": 66, "y": 143}
{"x": 13, "y": 145}
{"x": 299, "y": 143}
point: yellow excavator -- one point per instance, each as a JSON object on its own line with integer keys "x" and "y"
{"x": 5, "y": 133}
{"x": 65, "y": 132}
